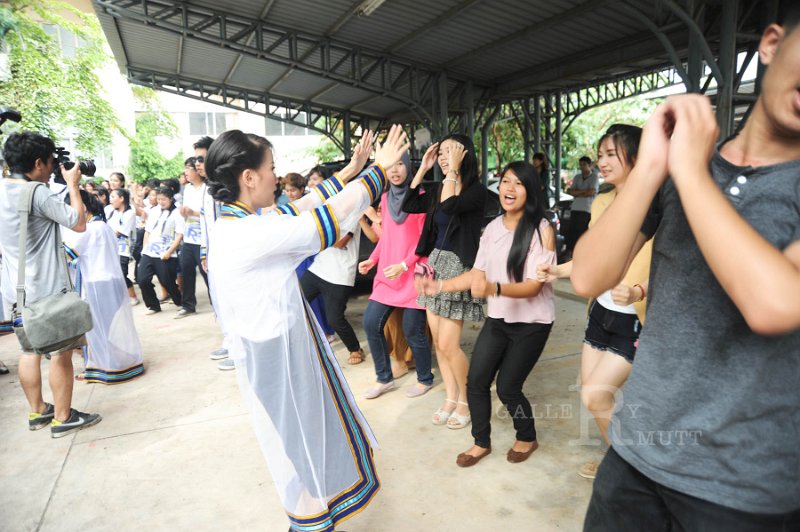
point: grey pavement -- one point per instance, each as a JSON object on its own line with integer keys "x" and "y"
{"x": 175, "y": 449}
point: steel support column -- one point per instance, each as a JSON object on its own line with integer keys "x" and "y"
{"x": 526, "y": 129}
{"x": 485, "y": 143}
{"x": 695, "y": 60}
{"x": 469, "y": 104}
{"x": 557, "y": 147}
{"x": 727, "y": 66}
{"x": 347, "y": 137}
{"x": 537, "y": 122}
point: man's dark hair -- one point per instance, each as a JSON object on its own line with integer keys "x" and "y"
{"x": 789, "y": 14}
{"x": 203, "y": 143}
{"x": 190, "y": 161}
{"x": 152, "y": 183}
{"x": 585, "y": 159}
{"x": 23, "y": 149}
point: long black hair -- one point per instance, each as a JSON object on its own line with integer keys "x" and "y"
{"x": 126, "y": 197}
{"x": 231, "y": 154}
{"x": 469, "y": 166}
{"x": 532, "y": 215}
{"x": 92, "y": 204}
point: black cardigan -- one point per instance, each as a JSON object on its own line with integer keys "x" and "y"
{"x": 466, "y": 209}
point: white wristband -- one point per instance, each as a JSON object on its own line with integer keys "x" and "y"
{"x": 404, "y": 265}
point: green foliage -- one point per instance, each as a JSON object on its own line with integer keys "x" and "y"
{"x": 146, "y": 161}
{"x": 581, "y": 137}
{"x": 325, "y": 151}
{"x": 56, "y": 94}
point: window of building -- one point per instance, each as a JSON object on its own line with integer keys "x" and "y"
{"x": 211, "y": 124}
{"x": 67, "y": 41}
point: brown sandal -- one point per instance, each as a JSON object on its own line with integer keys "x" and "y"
{"x": 356, "y": 357}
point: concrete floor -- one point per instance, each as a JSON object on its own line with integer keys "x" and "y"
{"x": 175, "y": 449}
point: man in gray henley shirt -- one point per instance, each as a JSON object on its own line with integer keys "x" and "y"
{"x": 707, "y": 436}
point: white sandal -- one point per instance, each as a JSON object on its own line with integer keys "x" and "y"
{"x": 457, "y": 421}
{"x": 440, "y": 417}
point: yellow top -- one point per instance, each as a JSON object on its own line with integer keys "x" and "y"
{"x": 639, "y": 270}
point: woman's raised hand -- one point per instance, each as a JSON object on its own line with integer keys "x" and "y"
{"x": 393, "y": 147}
{"x": 456, "y": 156}
{"x": 360, "y": 156}
{"x": 429, "y": 159}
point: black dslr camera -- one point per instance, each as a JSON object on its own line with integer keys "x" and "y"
{"x": 62, "y": 157}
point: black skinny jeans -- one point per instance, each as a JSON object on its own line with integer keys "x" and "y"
{"x": 167, "y": 273}
{"x": 334, "y": 297}
{"x": 508, "y": 350}
{"x": 190, "y": 263}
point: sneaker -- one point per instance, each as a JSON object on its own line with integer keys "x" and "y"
{"x": 134, "y": 301}
{"x": 219, "y": 354}
{"x": 182, "y": 313}
{"x": 77, "y": 421}
{"x": 165, "y": 300}
{"x": 589, "y": 470}
{"x": 38, "y": 420}
{"x": 152, "y": 311}
{"x": 226, "y": 365}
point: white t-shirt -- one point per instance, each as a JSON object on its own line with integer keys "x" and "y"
{"x": 124, "y": 226}
{"x": 193, "y": 198}
{"x": 162, "y": 227}
{"x": 338, "y": 266}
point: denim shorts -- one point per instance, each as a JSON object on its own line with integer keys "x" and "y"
{"x": 609, "y": 330}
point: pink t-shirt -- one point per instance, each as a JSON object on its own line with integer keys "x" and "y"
{"x": 397, "y": 244}
{"x": 493, "y": 258}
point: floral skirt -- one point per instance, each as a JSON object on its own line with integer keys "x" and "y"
{"x": 452, "y": 305}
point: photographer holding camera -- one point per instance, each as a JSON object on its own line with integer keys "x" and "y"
{"x": 30, "y": 158}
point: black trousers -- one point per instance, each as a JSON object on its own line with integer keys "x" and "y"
{"x": 578, "y": 224}
{"x": 190, "y": 262}
{"x": 123, "y": 263}
{"x": 625, "y": 499}
{"x": 334, "y": 297}
{"x": 167, "y": 273}
{"x": 508, "y": 350}
{"x": 136, "y": 252}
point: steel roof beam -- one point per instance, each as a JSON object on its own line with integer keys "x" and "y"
{"x": 246, "y": 100}
{"x": 630, "y": 49}
{"x": 447, "y": 16}
{"x": 217, "y": 28}
{"x": 562, "y": 17}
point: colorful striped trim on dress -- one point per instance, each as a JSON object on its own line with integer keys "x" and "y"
{"x": 327, "y": 225}
{"x": 113, "y": 377}
{"x": 374, "y": 180}
{"x": 329, "y": 188}
{"x": 289, "y": 209}
{"x": 355, "y": 498}
{"x": 237, "y": 209}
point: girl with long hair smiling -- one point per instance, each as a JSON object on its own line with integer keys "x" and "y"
{"x": 520, "y": 310}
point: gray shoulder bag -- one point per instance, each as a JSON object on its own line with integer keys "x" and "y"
{"x": 55, "y": 321}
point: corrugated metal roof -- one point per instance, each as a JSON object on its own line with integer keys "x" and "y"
{"x": 492, "y": 43}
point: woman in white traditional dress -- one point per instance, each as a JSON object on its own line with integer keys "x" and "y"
{"x": 316, "y": 441}
{"x": 114, "y": 353}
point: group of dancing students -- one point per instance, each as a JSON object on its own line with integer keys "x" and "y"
{"x": 717, "y": 361}
{"x": 715, "y": 338}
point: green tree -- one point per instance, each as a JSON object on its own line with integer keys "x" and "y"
{"x": 146, "y": 160}
{"x": 56, "y": 94}
{"x": 582, "y": 135}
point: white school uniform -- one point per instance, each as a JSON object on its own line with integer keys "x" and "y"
{"x": 315, "y": 439}
{"x": 114, "y": 353}
{"x": 162, "y": 226}
{"x": 124, "y": 227}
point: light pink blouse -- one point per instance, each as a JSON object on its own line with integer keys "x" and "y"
{"x": 397, "y": 244}
{"x": 492, "y": 259}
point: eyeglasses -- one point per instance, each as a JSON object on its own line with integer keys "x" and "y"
{"x": 200, "y": 159}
